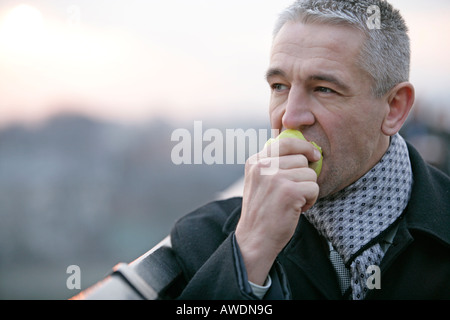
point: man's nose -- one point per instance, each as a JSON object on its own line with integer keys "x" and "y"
{"x": 298, "y": 112}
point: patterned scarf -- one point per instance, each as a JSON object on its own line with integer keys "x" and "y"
{"x": 355, "y": 218}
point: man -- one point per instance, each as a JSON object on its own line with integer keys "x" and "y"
{"x": 375, "y": 223}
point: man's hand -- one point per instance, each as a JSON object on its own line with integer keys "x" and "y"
{"x": 272, "y": 203}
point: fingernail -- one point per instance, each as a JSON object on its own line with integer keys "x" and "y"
{"x": 317, "y": 154}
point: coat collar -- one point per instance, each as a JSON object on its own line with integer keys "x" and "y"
{"x": 429, "y": 206}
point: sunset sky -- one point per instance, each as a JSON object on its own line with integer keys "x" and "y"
{"x": 130, "y": 60}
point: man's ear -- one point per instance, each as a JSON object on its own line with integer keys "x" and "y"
{"x": 400, "y": 100}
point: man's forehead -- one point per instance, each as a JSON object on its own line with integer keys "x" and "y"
{"x": 336, "y": 38}
{"x": 322, "y": 49}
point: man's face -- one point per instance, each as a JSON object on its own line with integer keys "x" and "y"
{"x": 318, "y": 88}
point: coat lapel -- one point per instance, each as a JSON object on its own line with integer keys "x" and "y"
{"x": 309, "y": 252}
{"x": 306, "y": 253}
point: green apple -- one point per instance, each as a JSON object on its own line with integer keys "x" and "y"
{"x": 290, "y": 133}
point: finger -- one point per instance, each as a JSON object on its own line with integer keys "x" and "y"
{"x": 300, "y": 195}
{"x": 293, "y": 161}
{"x": 308, "y": 193}
{"x": 287, "y": 163}
{"x": 300, "y": 174}
{"x": 311, "y": 191}
{"x": 291, "y": 146}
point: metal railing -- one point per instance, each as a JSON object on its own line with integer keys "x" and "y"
{"x": 155, "y": 275}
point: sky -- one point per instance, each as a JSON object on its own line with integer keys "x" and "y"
{"x": 131, "y": 60}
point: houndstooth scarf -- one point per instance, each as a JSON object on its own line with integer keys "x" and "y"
{"x": 355, "y": 218}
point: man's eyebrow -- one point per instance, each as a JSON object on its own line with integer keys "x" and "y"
{"x": 331, "y": 79}
{"x": 273, "y": 72}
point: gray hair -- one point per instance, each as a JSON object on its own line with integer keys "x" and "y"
{"x": 385, "y": 54}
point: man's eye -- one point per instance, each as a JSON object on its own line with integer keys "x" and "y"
{"x": 279, "y": 87}
{"x": 324, "y": 90}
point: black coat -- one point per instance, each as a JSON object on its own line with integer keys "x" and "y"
{"x": 416, "y": 266}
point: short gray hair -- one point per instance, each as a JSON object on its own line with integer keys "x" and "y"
{"x": 385, "y": 54}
